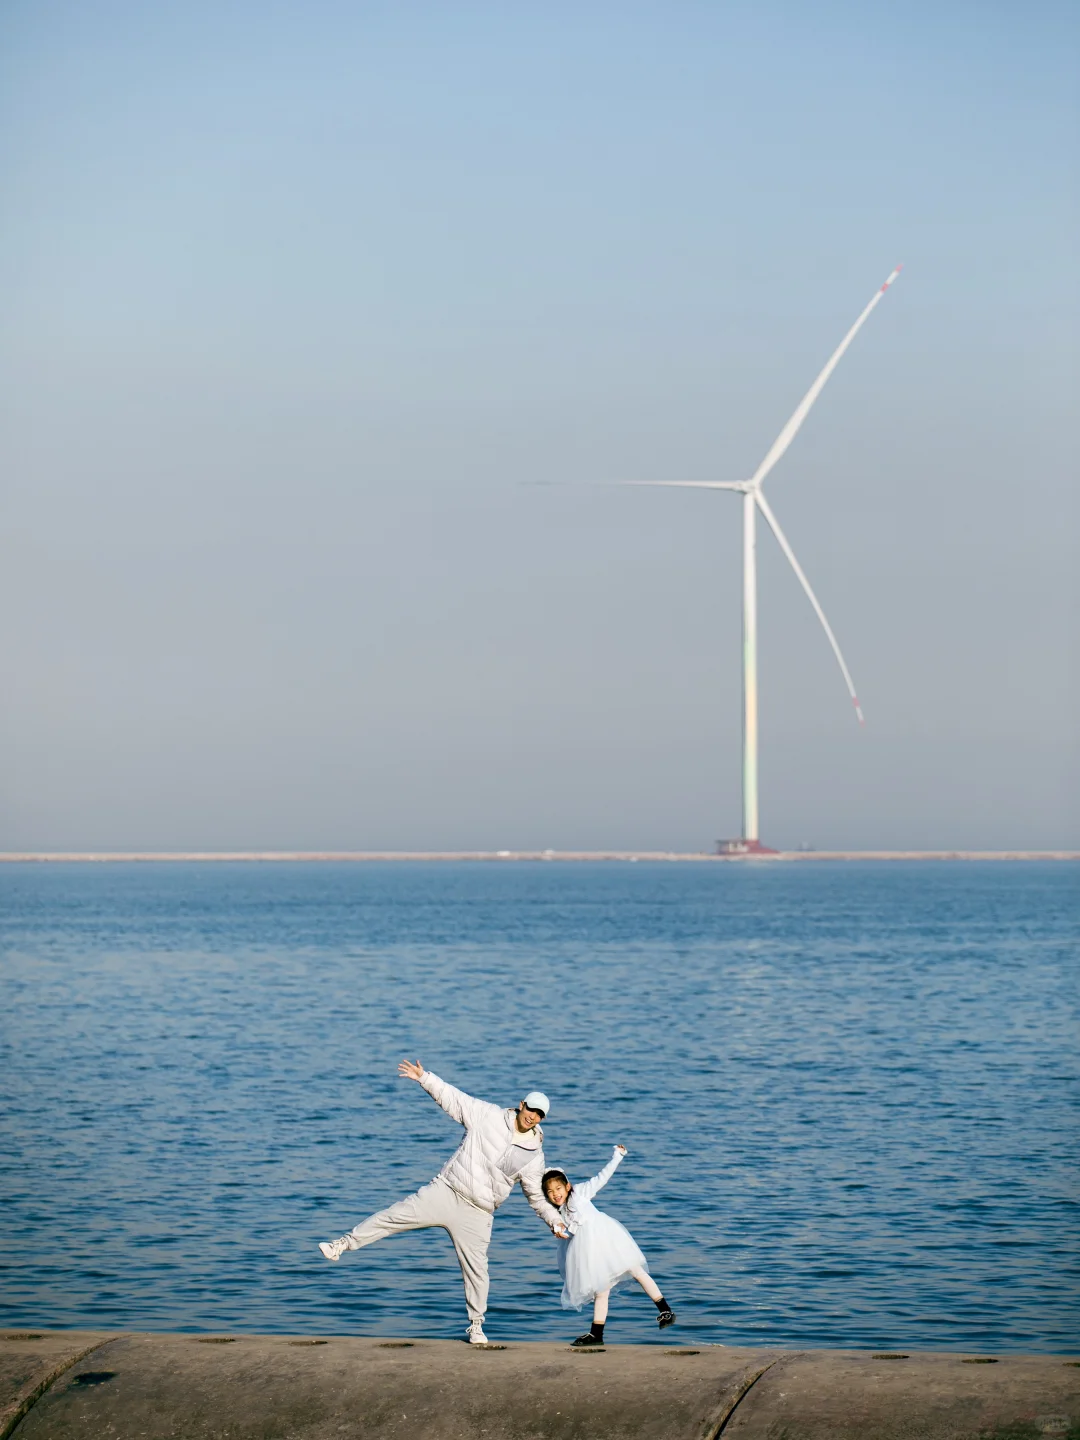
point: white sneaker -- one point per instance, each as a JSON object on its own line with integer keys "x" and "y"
{"x": 333, "y": 1248}
{"x": 476, "y": 1334}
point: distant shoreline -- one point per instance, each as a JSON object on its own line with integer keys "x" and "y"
{"x": 579, "y": 856}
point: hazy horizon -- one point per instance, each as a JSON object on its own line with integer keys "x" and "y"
{"x": 300, "y": 305}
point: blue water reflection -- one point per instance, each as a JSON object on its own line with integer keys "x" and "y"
{"x": 849, "y": 1092}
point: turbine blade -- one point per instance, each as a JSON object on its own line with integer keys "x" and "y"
{"x": 686, "y": 484}
{"x": 774, "y": 526}
{"x": 791, "y": 429}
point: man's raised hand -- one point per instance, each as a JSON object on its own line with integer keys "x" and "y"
{"x": 411, "y": 1070}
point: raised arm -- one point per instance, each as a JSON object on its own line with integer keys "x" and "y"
{"x": 588, "y": 1188}
{"x": 459, "y": 1106}
{"x": 529, "y": 1180}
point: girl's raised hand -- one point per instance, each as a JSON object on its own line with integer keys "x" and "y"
{"x": 411, "y": 1070}
{"x": 622, "y": 1149}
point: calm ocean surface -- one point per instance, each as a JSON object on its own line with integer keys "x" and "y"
{"x": 849, "y": 1092}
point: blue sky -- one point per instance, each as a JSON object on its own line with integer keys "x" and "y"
{"x": 299, "y": 299}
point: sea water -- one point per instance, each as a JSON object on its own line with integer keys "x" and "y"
{"x": 848, "y": 1091}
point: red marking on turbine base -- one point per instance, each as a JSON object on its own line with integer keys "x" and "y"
{"x": 738, "y": 849}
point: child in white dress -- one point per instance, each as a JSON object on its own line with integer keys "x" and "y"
{"x": 600, "y": 1252}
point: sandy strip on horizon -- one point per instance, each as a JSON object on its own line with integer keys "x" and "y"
{"x": 277, "y": 856}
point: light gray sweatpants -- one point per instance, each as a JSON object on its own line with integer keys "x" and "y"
{"x": 437, "y": 1204}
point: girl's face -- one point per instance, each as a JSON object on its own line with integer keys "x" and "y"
{"x": 557, "y": 1190}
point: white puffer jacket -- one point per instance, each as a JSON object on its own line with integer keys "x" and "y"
{"x": 494, "y": 1156}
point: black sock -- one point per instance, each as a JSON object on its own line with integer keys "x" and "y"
{"x": 597, "y": 1329}
{"x": 661, "y": 1304}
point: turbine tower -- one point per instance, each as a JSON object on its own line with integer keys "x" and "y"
{"x": 754, "y": 500}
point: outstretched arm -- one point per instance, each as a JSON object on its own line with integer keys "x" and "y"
{"x": 459, "y": 1106}
{"x": 588, "y": 1188}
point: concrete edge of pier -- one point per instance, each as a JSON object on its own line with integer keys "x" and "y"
{"x": 58, "y": 1385}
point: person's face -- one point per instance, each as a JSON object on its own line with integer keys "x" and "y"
{"x": 557, "y": 1190}
{"x": 527, "y": 1118}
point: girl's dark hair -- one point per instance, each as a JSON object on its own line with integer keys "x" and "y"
{"x": 552, "y": 1175}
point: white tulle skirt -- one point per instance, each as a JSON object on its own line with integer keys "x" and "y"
{"x": 598, "y": 1257}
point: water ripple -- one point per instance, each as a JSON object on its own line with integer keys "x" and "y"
{"x": 849, "y": 1092}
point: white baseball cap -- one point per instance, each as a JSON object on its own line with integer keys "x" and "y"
{"x": 537, "y": 1100}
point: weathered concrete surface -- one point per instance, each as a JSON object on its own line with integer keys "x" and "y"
{"x": 30, "y": 1360}
{"x": 183, "y": 1387}
{"x": 850, "y": 1395}
{"x": 180, "y": 1386}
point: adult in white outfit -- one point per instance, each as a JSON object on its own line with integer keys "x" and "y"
{"x": 501, "y": 1148}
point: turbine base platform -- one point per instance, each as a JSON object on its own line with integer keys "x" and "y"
{"x": 739, "y": 849}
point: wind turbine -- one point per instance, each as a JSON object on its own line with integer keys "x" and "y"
{"x": 753, "y": 501}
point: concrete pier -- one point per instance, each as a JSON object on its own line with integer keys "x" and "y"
{"x": 97, "y": 1386}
